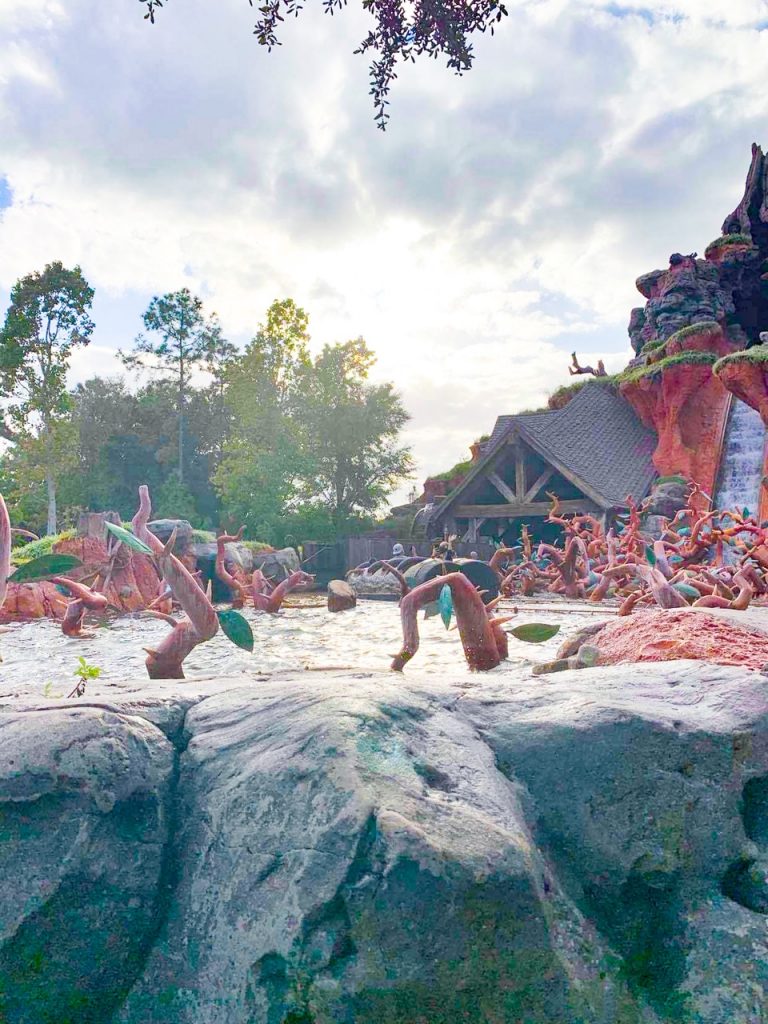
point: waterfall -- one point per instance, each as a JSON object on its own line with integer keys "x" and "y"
{"x": 741, "y": 463}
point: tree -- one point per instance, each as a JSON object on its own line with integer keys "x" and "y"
{"x": 185, "y": 341}
{"x": 258, "y": 475}
{"x": 401, "y": 32}
{"x": 350, "y": 429}
{"x": 48, "y": 318}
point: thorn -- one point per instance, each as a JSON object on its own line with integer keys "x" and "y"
{"x": 150, "y": 652}
{"x": 171, "y": 541}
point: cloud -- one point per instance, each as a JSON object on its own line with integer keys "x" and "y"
{"x": 498, "y": 223}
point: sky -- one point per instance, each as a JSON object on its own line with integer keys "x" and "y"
{"x": 497, "y": 225}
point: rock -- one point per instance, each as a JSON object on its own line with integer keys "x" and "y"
{"x": 690, "y": 633}
{"x": 238, "y": 560}
{"x": 234, "y": 554}
{"x": 747, "y": 379}
{"x": 341, "y": 596}
{"x": 687, "y": 406}
{"x": 667, "y": 497}
{"x": 277, "y": 565}
{"x": 133, "y": 581}
{"x": 33, "y": 601}
{"x": 725, "y": 287}
{"x": 85, "y": 802}
{"x": 586, "y": 848}
{"x": 381, "y": 582}
{"x": 163, "y": 529}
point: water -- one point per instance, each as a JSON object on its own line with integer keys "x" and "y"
{"x": 303, "y": 638}
{"x": 742, "y": 460}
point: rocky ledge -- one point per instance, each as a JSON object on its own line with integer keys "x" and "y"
{"x": 590, "y": 847}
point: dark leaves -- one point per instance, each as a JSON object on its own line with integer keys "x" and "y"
{"x": 43, "y": 567}
{"x": 402, "y": 31}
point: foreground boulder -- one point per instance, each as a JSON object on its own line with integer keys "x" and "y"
{"x": 585, "y": 849}
{"x": 341, "y": 597}
{"x": 84, "y": 806}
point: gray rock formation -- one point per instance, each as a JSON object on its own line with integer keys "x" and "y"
{"x": 277, "y": 565}
{"x": 590, "y": 848}
{"x": 163, "y": 530}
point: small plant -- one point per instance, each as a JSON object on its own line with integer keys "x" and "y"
{"x": 85, "y": 672}
{"x": 48, "y": 691}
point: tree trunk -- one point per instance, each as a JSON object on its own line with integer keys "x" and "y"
{"x": 181, "y": 444}
{"x": 51, "y": 485}
{"x": 181, "y": 418}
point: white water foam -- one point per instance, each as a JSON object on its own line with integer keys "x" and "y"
{"x": 741, "y": 468}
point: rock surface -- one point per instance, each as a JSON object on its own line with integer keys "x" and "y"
{"x": 582, "y": 849}
{"x": 277, "y": 565}
{"x": 686, "y": 404}
{"x": 341, "y": 597}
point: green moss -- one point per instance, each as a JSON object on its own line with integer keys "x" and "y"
{"x": 656, "y": 369}
{"x": 203, "y": 537}
{"x": 460, "y": 469}
{"x": 701, "y": 327}
{"x": 756, "y": 354}
{"x": 38, "y": 548}
{"x": 256, "y": 545}
{"x": 734, "y": 239}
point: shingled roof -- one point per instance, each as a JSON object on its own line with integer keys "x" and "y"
{"x": 597, "y": 436}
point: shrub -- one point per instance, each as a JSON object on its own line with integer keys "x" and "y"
{"x": 38, "y": 548}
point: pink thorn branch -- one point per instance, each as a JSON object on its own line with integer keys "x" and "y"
{"x": 85, "y": 599}
{"x": 476, "y": 629}
{"x": 239, "y": 592}
{"x": 272, "y": 603}
{"x": 200, "y": 622}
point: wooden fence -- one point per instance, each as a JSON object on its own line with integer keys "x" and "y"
{"x": 332, "y": 561}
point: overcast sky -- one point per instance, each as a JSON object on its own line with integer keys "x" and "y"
{"x": 498, "y": 224}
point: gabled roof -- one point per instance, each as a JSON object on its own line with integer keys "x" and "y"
{"x": 596, "y": 438}
{"x": 502, "y": 425}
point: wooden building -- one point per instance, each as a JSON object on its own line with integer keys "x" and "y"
{"x": 592, "y": 454}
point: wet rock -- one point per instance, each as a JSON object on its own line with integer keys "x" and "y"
{"x": 341, "y": 597}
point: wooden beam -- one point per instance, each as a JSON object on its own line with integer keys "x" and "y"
{"x": 532, "y": 491}
{"x": 504, "y": 490}
{"x": 517, "y": 509}
{"x": 519, "y": 472}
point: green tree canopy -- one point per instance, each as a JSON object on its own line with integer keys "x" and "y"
{"x": 313, "y": 443}
{"x": 351, "y": 429}
{"x": 183, "y": 339}
{"x": 48, "y": 318}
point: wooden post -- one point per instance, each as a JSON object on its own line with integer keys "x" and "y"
{"x": 91, "y": 524}
{"x": 519, "y": 472}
